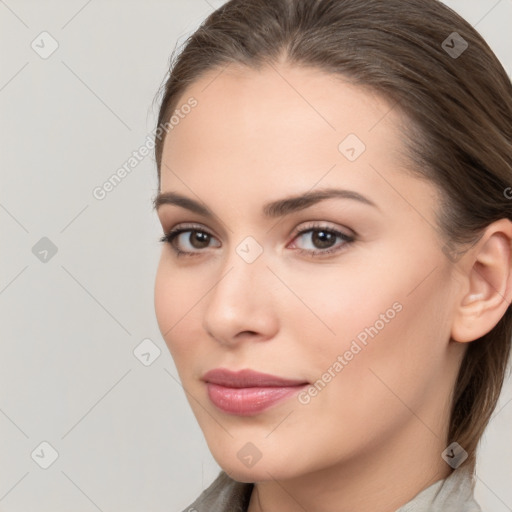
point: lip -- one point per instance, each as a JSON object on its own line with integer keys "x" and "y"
{"x": 247, "y": 392}
{"x": 247, "y": 379}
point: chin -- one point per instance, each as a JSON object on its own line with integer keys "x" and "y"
{"x": 264, "y": 469}
{"x": 258, "y": 473}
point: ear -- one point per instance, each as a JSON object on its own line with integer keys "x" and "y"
{"x": 487, "y": 275}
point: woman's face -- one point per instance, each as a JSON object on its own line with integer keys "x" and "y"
{"x": 346, "y": 293}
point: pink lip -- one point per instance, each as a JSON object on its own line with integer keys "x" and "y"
{"x": 247, "y": 392}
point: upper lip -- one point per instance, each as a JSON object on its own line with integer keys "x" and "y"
{"x": 247, "y": 379}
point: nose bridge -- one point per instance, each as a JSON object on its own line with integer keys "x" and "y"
{"x": 240, "y": 299}
{"x": 245, "y": 268}
{"x": 241, "y": 280}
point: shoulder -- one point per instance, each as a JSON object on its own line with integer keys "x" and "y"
{"x": 454, "y": 493}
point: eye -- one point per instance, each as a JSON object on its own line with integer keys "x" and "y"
{"x": 321, "y": 240}
{"x": 189, "y": 240}
{"x": 315, "y": 240}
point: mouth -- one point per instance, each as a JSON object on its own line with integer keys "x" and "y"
{"x": 247, "y": 392}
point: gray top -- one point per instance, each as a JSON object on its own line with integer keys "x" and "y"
{"x": 453, "y": 494}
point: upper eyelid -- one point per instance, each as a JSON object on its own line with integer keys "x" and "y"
{"x": 190, "y": 226}
{"x": 314, "y": 224}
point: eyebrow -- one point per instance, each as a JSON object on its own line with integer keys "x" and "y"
{"x": 274, "y": 209}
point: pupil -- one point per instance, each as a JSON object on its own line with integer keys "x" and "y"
{"x": 199, "y": 239}
{"x": 323, "y": 239}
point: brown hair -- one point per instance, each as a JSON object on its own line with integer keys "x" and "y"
{"x": 458, "y": 99}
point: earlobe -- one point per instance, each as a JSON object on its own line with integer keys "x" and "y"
{"x": 489, "y": 284}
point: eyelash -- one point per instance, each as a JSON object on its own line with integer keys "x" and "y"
{"x": 347, "y": 239}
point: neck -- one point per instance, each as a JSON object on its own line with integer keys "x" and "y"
{"x": 383, "y": 479}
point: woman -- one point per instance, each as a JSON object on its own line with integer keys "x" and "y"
{"x": 335, "y": 281}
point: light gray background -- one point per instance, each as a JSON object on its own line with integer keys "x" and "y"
{"x": 125, "y": 436}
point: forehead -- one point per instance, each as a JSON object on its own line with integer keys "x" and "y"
{"x": 278, "y": 105}
{"x": 256, "y": 130}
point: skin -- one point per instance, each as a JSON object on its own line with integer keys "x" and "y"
{"x": 373, "y": 437}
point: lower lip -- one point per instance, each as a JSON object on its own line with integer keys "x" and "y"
{"x": 248, "y": 401}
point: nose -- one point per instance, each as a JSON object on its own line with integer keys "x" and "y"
{"x": 241, "y": 304}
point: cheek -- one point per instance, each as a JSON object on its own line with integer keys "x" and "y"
{"x": 394, "y": 324}
{"x": 174, "y": 300}
{"x": 165, "y": 299}
{"x": 385, "y": 365}
{"x": 386, "y": 295}
{"x": 344, "y": 298}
